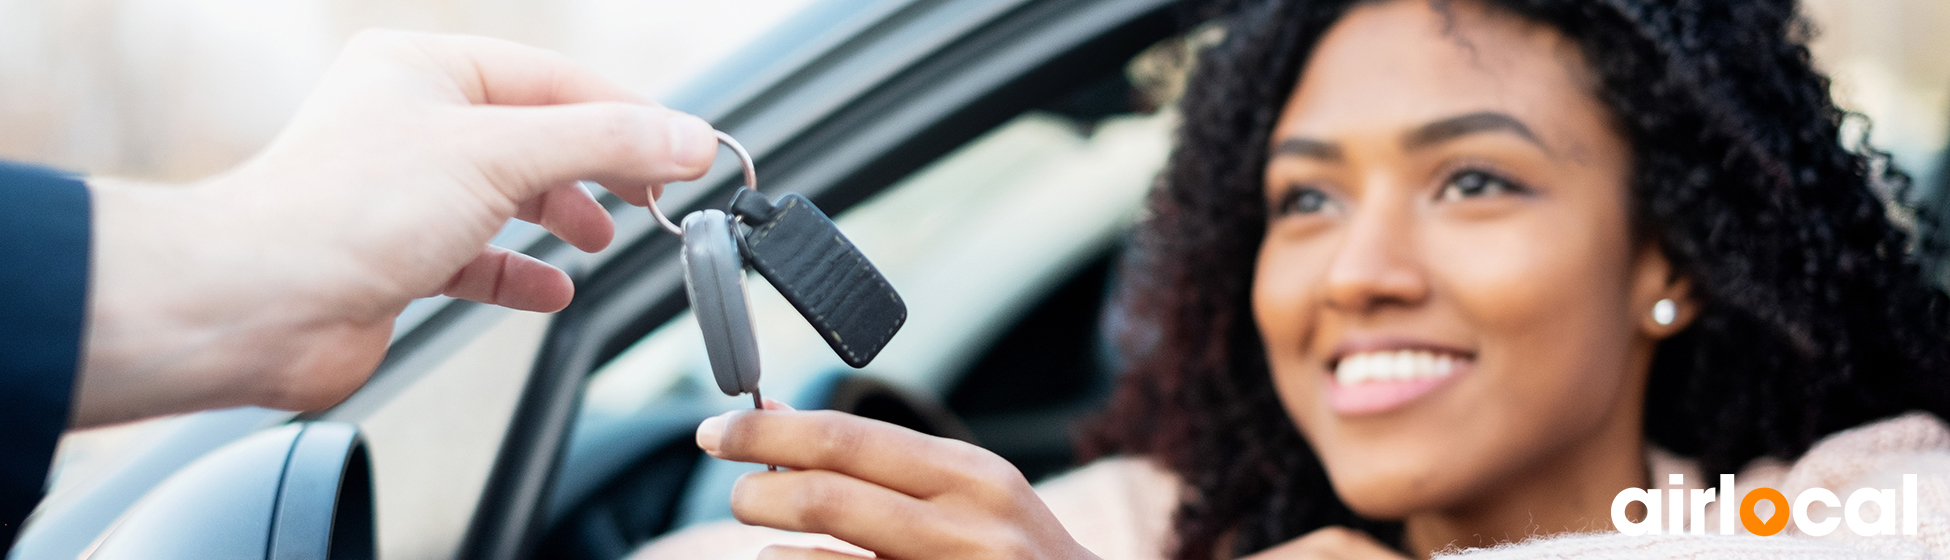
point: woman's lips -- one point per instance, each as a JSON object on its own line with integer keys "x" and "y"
{"x": 1379, "y": 381}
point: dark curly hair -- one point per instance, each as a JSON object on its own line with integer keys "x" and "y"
{"x": 1815, "y": 314}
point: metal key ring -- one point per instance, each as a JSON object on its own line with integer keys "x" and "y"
{"x": 751, "y": 180}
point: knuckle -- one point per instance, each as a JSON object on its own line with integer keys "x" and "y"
{"x": 987, "y": 477}
{"x": 820, "y": 503}
{"x": 623, "y": 132}
{"x": 834, "y": 440}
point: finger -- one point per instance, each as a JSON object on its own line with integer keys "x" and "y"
{"x": 771, "y": 404}
{"x": 873, "y": 517}
{"x": 783, "y": 552}
{"x": 500, "y": 72}
{"x": 639, "y": 195}
{"x": 509, "y": 279}
{"x": 525, "y": 150}
{"x": 904, "y": 460}
{"x": 571, "y": 213}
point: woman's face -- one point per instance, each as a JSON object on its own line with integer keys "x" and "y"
{"x": 1450, "y": 297}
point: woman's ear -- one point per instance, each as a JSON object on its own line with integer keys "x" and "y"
{"x": 1662, "y": 301}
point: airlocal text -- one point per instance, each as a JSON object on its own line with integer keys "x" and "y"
{"x": 1666, "y": 510}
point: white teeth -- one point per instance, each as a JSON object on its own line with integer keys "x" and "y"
{"x": 1399, "y": 365}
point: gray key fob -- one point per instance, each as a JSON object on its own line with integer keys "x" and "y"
{"x": 803, "y": 254}
{"x": 714, "y": 278}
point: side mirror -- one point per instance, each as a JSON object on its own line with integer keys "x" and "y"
{"x": 302, "y": 491}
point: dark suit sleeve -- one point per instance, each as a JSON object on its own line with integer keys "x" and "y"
{"x": 44, "y": 237}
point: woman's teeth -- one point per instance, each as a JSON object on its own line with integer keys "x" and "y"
{"x": 1401, "y": 365}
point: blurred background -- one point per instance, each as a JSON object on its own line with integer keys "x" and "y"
{"x": 179, "y": 89}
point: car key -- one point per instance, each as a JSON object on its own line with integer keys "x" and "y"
{"x": 803, "y": 254}
{"x": 714, "y": 281}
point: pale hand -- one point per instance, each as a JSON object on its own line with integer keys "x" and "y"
{"x": 276, "y": 284}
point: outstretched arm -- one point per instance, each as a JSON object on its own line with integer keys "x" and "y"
{"x": 276, "y": 284}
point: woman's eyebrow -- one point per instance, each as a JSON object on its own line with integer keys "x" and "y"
{"x": 1308, "y": 148}
{"x": 1463, "y": 125}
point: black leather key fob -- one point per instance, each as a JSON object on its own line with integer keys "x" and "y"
{"x": 803, "y": 254}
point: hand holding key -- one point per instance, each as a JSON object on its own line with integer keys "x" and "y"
{"x": 888, "y": 489}
{"x": 276, "y": 284}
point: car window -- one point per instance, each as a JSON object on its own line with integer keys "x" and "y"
{"x": 970, "y": 242}
{"x": 973, "y": 242}
{"x": 1002, "y": 249}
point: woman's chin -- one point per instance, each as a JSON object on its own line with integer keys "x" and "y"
{"x": 1388, "y": 496}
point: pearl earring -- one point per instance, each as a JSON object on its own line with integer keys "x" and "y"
{"x": 1664, "y": 311}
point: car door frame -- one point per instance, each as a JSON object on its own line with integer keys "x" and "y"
{"x": 889, "y": 90}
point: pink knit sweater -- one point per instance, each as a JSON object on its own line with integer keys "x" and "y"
{"x": 1121, "y": 508}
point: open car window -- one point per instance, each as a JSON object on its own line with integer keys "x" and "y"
{"x": 1015, "y": 226}
{"x": 969, "y": 242}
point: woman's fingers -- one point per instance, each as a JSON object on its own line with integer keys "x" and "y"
{"x": 783, "y": 552}
{"x": 888, "y": 489}
{"x": 571, "y": 213}
{"x": 906, "y": 461}
{"x": 506, "y": 278}
{"x": 864, "y": 514}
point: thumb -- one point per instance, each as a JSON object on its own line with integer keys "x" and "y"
{"x": 525, "y": 151}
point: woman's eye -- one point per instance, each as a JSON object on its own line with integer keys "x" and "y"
{"x": 1302, "y": 200}
{"x": 1472, "y": 184}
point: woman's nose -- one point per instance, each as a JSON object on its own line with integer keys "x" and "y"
{"x": 1376, "y": 265}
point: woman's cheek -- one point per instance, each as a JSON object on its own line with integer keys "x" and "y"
{"x": 1286, "y": 301}
{"x": 1541, "y": 297}
{"x": 1280, "y": 302}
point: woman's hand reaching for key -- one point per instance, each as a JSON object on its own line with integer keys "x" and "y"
{"x": 888, "y": 489}
{"x": 277, "y": 283}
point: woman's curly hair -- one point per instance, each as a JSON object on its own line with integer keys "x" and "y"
{"x": 1815, "y": 314}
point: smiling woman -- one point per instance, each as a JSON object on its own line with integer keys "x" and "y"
{"x": 1475, "y": 211}
{"x": 1488, "y": 262}
{"x": 1425, "y": 276}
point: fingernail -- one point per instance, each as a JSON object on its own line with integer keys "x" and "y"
{"x": 710, "y": 433}
{"x": 776, "y": 405}
{"x": 693, "y": 143}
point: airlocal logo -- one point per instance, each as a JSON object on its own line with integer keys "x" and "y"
{"x": 1674, "y": 510}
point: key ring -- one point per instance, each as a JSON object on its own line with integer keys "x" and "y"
{"x": 751, "y": 181}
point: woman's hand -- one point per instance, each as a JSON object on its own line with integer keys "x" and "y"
{"x": 888, "y": 489}
{"x": 1330, "y": 543}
